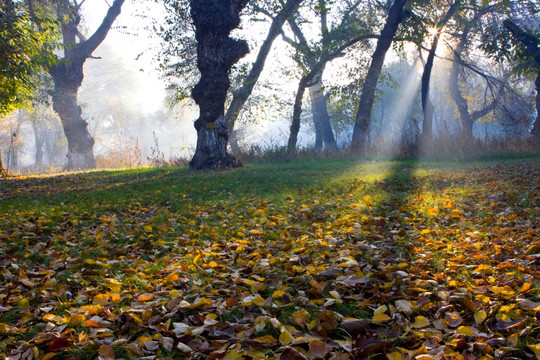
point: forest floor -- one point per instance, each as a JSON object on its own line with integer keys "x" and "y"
{"x": 333, "y": 259}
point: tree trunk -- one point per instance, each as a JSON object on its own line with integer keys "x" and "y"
{"x": 2, "y": 169}
{"x": 216, "y": 54}
{"x": 297, "y": 111}
{"x": 427, "y": 105}
{"x": 68, "y": 75}
{"x": 365, "y": 105}
{"x": 39, "y": 140}
{"x": 321, "y": 119}
{"x": 241, "y": 95}
{"x": 67, "y": 80}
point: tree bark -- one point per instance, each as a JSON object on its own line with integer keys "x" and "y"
{"x": 427, "y": 105}
{"x": 241, "y": 95}
{"x": 68, "y": 75}
{"x": 297, "y": 111}
{"x": 365, "y": 106}
{"x": 216, "y": 54}
{"x": 324, "y": 136}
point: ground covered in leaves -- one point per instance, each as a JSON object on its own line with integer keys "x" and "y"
{"x": 331, "y": 260}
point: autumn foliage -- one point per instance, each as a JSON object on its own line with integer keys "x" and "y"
{"x": 338, "y": 260}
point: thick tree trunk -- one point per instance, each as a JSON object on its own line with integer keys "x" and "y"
{"x": 241, "y": 95}
{"x": 216, "y": 54}
{"x": 67, "y": 80}
{"x": 321, "y": 119}
{"x": 68, "y": 76}
{"x": 2, "y": 169}
{"x": 365, "y": 106}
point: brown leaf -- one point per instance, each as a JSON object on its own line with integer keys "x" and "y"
{"x": 291, "y": 354}
{"x": 318, "y": 349}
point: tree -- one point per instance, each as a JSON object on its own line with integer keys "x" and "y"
{"x": 216, "y": 54}
{"x": 427, "y": 105}
{"x": 241, "y": 95}
{"x": 532, "y": 44}
{"x": 67, "y": 75}
{"x": 313, "y": 59}
{"x": 363, "y": 115}
{"x": 467, "y": 24}
{"x": 23, "y": 57}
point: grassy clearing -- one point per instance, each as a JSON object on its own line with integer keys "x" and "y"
{"x": 384, "y": 259}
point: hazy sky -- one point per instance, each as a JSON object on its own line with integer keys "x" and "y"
{"x": 131, "y": 36}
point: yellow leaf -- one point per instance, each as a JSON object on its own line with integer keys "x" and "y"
{"x": 114, "y": 285}
{"x": 76, "y": 320}
{"x": 266, "y": 339}
{"x": 394, "y": 355}
{"x": 171, "y": 278}
{"x": 420, "y": 322}
{"x": 480, "y": 316}
{"x": 277, "y": 294}
{"x": 513, "y": 339}
{"x": 232, "y": 355}
{"x": 535, "y": 349}
{"x": 197, "y": 259}
{"x": 147, "y": 228}
{"x": 525, "y": 287}
{"x": 258, "y": 300}
{"x": 145, "y": 297}
{"x": 23, "y": 303}
{"x": 3, "y": 327}
{"x": 466, "y": 330}
{"x": 505, "y": 291}
{"x": 213, "y": 264}
{"x": 380, "y": 310}
{"x": 381, "y": 317}
{"x": 300, "y": 317}
{"x": 101, "y": 299}
{"x": 366, "y": 198}
{"x": 90, "y": 261}
{"x": 49, "y": 356}
{"x": 285, "y": 338}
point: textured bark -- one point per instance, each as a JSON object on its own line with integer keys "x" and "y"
{"x": 297, "y": 111}
{"x": 216, "y": 54}
{"x": 532, "y": 45}
{"x": 324, "y": 136}
{"x": 427, "y": 105}
{"x": 241, "y": 95}
{"x": 365, "y": 106}
{"x": 68, "y": 75}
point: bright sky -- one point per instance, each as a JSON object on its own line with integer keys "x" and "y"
{"x": 130, "y": 37}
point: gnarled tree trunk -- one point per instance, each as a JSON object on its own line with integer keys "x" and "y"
{"x": 67, "y": 80}
{"x": 68, "y": 75}
{"x": 216, "y": 54}
{"x": 365, "y": 106}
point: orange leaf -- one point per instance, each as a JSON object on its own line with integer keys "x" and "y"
{"x": 145, "y": 297}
